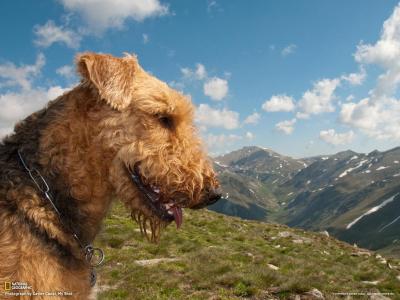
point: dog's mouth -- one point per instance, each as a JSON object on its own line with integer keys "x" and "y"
{"x": 167, "y": 211}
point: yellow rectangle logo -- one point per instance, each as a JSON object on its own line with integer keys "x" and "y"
{"x": 7, "y": 286}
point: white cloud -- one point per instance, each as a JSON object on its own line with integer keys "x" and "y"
{"x": 378, "y": 115}
{"x": 279, "y": 103}
{"x": 249, "y": 135}
{"x": 200, "y": 73}
{"x": 100, "y": 15}
{"x": 387, "y": 49}
{"x": 66, "y": 71}
{"x": 380, "y": 120}
{"x": 386, "y": 54}
{"x": 218, "y": 143}
{"x": 302, "y": 115}
{"x": 355, "y": 78}
{"x": 54, "y": 91}
{"x": 319, "y": 98}
{"x": 331, "y": 137}
{"x": 252, "y": 119}
{"x": 212, "y": 4}
{"x": 145, "y": 38}
{"x": 288, "y": 50}
{"x": 177, "y": 85}
{"x": 210, "y": 117}
{"x": 13, "y": 76}
{"x": 16, "y": 105}
{"x": 286, "y": 127}
{"x": 186, "y": 72}
{"x": 5, "y": 130}
{"x": 50, "y": 33}
{"x": 216, "y": 88}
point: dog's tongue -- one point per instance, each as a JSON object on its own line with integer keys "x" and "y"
{"x": 177, "y": 211}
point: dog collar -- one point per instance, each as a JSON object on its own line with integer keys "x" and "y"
{"x": 94, "y": 256}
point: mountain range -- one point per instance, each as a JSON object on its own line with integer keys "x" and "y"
{"x": 353, "y": 196}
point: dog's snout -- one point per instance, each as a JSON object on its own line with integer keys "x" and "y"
{"x": 214, "y": 196}
{"x": 208, "y": 198}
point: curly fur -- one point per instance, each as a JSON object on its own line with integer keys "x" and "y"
{"x": 82, "y": 143}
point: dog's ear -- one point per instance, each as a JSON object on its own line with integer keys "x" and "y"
{"x": 113, "y": 77}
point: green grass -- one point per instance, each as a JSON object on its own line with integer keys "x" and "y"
{"x": 227, "y": 258}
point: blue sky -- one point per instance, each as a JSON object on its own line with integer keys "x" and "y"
{"x": 301, "y": 77}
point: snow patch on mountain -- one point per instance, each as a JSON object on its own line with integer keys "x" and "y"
{"x": 220, "y": 164}
{"x": 352, "y": 158}
{"x": 387, "y": 225}
{"x": 382, "y": 168}
{"x": 360, "y": 164}
{"x": 372, "y": 210}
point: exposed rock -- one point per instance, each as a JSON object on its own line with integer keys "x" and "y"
{"x": 284, "y": 234}
{"x": 296, "y": 238}
{"x": 326, "y": 233}
{"x": 104, "y": 287}
{"x": 315, "y": 294}
{"x": 298, "y": 241}
{"x": 307, "y": 240}
{"x": 155, "y": 261}
{"x": 371, "y": 282}
{"x": 273, "y": 267}
{"x": 361, "y": 253}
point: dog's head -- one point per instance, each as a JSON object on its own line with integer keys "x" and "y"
{"x": 159, "y": 165}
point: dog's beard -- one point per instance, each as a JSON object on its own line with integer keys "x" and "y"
{"x": 150, "y": 226}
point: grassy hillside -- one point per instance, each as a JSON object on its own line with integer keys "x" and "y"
{"x": 219, "y": 257}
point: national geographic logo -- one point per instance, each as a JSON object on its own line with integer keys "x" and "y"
{"x": 19, "y": 289}
{"x": 7, "y": 286}
{"x": 12, "y": 286}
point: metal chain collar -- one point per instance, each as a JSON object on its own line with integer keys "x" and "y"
{"x": 93, "y": 255}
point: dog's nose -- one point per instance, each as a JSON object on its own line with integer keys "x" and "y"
{"x": 211, "y": 197}
{"x": 214, "y": 196}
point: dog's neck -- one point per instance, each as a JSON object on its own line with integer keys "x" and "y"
{"x": 77, "y": 167}
{"x": 62, "y": 142}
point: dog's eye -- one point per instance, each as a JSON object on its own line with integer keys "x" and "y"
{"x": 166, "y": 121}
